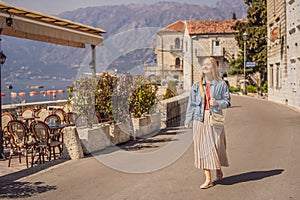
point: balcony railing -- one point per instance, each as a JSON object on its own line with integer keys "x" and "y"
{"x": 176, "y": 47}
{"x": 217, "y": 52}
{"x": 177, "y": 67}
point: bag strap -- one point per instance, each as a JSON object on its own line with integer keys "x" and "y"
{"x": 207, "y": 100}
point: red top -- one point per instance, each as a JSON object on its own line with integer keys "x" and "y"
{"x": 207, "y": 107}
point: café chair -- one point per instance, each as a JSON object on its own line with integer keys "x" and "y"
{"x": 20, "y": 141}
{"x": 42, "y": 114}
{"x": 27, "y": 113}
{"x": 6, "y": 117}
{"x": 61, "y": 113}
{"x": 45, "y": 144}
{"x": 71, "y": 117}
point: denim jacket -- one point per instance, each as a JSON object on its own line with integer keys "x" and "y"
{"x": 195, "y": 109}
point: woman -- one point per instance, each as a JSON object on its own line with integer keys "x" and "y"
{"x": 210, "y": 94}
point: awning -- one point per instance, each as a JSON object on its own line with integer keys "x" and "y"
{"x": 38, "y": 26}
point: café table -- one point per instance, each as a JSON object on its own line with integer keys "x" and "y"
{"x": 27, "y": 120}
{"x": 56, "y": 133}
{"x": 56, "y": 130}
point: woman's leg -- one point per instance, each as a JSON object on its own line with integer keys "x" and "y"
{"x": 219, "y": 174}
{"x": 208, "y": 182}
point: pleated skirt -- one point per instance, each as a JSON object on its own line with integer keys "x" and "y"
{"x": 209, "y": 145}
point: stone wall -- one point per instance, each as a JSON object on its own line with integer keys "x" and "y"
{"x": 149, "y": 124}
{"x": 174, "y": 110}
{"x": 109, "y": 134}
{"x": 172, "y": 113}
{"x": 101, "y": 137}
{"x": 72, "y": 146}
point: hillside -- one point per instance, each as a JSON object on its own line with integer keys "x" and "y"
{"x": 41, "y": 58}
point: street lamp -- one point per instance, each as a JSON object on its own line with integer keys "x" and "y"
{"x": 192, "y": 59}
{"x": 9, "y": 87}
{"x": 2, "y": 61}
{"x": 245, "y": 37}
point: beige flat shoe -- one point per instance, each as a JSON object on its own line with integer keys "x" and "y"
{"x": 206, "y": 185}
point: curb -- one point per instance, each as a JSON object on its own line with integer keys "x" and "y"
{"x": 266, "y": 99}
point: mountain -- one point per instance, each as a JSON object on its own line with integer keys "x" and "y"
{"x": 36, "y": 59}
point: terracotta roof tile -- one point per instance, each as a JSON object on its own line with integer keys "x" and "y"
{"x": 198, "y": 27}
{"x": 211, "y": 27}
{"x": 176, "y": 26}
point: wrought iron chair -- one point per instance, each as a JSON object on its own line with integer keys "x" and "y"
{"x": 71, "y": 117}
{"x": 6, "y": 117}
{"x": 44, "y": 143}
{"x": 27, "y": 112}
{"x": 42, "y": 114}
{"x": 20, "y": 140}
{"x": 61, "y": 113}
{"x": 52, "y": 119}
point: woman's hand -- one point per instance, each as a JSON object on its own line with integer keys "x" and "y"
{"x": 213, "y": 102}
{"x": 187, "y": 125}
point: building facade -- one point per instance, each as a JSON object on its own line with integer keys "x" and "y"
{"x": 169, "y": 53}
{"x": 207, "y": 39}
{"x": 293, "y": 49}
{"x": 183, "y": 45}
{"x": 283, "y": 46}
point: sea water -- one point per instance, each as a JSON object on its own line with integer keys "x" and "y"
{"x": 22, "y": 86}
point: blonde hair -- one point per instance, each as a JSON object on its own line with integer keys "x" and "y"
{"x": 214, "y": 71}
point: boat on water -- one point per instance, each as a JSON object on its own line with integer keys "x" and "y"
{"x": 32, "y": 93}
{"x": 22, "y": 94}
{"x": 51, "y": 91}
{"x": 13, "y": 94}
{"x": 34, "y": 86}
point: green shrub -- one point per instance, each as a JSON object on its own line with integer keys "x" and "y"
{"x": 171, "y": 90}
{"x": 143, "y": 98}
{"x": 251, "y": 89}
{"x": 113, "y": 97}
{"x": 234, "y": 89}
{"x": 104, "y": 93}
{"x": 264, "y": 87}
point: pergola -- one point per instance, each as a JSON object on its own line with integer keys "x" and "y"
{"x": 23, "y": 23}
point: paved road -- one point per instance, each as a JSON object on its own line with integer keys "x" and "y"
{"x": 263, "y": 148}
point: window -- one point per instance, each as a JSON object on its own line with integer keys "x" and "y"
{"x": 177, "y": 43}
{"x": 271, "y": 74}
{"x": 216, "y": 48}
{"x": 292, "y": 75}
{"x": 186, "y": 46}
{"x": 177, "y": 63}
{"x": 278, "y": 76}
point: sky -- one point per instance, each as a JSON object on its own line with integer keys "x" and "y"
{"x": 57, "y": 6}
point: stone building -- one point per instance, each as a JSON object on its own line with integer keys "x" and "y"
{"x": 283, "y": 51}
{"x": 169, "y": 51}
{"x": 207, "y": 39}
{"x": 181, "y": 47}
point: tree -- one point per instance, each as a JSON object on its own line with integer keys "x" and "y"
{"x": 234, "y": 16}
{"x": 104, "y": 94}
{"x": 143, "y": 99}
{"x": 256, "y": 47}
